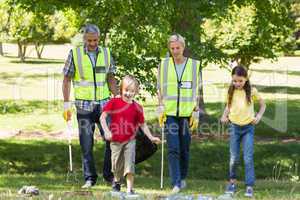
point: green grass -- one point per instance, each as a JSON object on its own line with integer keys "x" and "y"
{"x": 44, "y": 163}
{"x": 36, "y": 87}
{"x": 280, "y": 118}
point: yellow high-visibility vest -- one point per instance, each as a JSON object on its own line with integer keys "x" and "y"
{"x": 179, "y": 96}
{"x": 90, "y": 82}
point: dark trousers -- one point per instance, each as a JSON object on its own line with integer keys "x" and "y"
{"x": 86, "y": 124}
{"x": 178, "y": 141}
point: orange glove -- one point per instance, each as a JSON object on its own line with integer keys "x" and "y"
{"x": 161, "y": 115}
{"x": 194, "y": 120}
{"x": 67, "y": 114}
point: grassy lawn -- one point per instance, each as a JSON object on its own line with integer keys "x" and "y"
{"x": 44, "y": 163}
{"x": 31, "y": 102}
{"x": 280, "y": 119}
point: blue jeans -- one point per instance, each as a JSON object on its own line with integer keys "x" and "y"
{"x": 178, "y": 141}
{"x": 86, "y": 124}
{"x": 244, "y": 134}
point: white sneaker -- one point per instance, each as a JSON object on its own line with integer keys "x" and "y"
{"x": 183, "y": 184}
{"x": 249, "y": 192}
{"x": 175, "y": 190}
{"x": 88, "y": 184}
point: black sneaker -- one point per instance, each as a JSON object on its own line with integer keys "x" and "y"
{"x": 116, "y": 187}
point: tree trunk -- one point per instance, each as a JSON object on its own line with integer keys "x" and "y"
{"x": 39, "y": 49}
{"x": 1, "y": 49}
{"x": 22, "y": 51}
{"x": 19, "y": 50}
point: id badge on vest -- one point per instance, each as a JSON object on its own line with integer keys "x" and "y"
{"x": 185, "y": 85}
{"x": 100, "y": 69}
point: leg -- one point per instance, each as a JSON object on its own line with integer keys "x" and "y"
{"x": 129, "y": 164}
{"x": 106, "y": 170}
{"x": 172, "y": 136}
{"x": 117, "y": 160}
{"x": 185, "y": 141}
{"x": 129, "y": 181}
{"x": 86, "y": 133}
{"x": 248, "y": 144}
{"x": 234, "y": 150}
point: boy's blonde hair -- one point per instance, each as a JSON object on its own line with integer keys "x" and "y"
{"x": 130, "y": 79}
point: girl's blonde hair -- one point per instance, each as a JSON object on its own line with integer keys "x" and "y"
{"x": 129, "y": 80}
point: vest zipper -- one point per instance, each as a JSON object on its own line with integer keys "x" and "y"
{"x": 94, "y": 75}
{"x": 179, "y": 84}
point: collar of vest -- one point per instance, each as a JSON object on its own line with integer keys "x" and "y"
{"x": 85, "y": 50}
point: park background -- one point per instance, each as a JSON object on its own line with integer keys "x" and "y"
{"x": 36, "y": 37}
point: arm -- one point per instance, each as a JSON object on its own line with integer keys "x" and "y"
{"x": 112, "y": 84}
{"x": 224, "y": 118}
{"x": 147, "y": 132}
{"x": 66, "y": 88}
{"x": 107, "y": 132}
{"x": 262, "y": 108}
{"x": 159, "y": 97}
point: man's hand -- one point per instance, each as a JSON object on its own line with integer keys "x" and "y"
{"x": 194, "y": 120}
{"x": 67, "y": 114}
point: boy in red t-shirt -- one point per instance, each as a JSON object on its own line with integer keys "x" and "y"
{"x": 126, "y": 117}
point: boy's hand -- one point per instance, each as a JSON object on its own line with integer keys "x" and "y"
{"x": 224, "y": 119}
{"x": 155, "y": 140}
{"x": 107, "y": 136}
{"x": 256, "y": 120}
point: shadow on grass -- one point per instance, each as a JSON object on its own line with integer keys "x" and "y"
{"x": 21, "y": 76}
{"x": 30, "y": 60}
{"x": 281, "y": 119}
{"x": 268, "y": 89}
{"x": 14, "y": 107}
{"x": 294, "y": 73}
{"x": 278, "y": 89}
{"x": 209, "y": 159}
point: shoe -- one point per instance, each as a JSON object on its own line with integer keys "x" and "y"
{"x": 249, "y": 192}
{"x": 131, "y": 192}
{"x": 230, "y": 189}
{"x": 175, "y": 189}
{"x": 182, "y": 184}
{"x": 116, "y": 187}
{"x": 88, "y": 184}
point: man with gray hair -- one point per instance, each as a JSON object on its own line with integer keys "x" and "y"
{"x": 91, "y": 69}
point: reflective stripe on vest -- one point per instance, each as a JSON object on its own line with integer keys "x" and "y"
{"x": 169, "y": 87}
{"x": 85, "y": 87}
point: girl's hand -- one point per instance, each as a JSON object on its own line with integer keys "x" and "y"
{"x": 256, "y": 120}
{"x": 155, "y": 140}
{"x": 224, "y": 119}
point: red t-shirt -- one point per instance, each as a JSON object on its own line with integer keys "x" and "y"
{"x": 125, "y": 118}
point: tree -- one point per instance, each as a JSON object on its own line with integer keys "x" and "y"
{"x": 137, "y": 31}
{"x": 254, "y": 30}
{"x": 20, "y": 29}
{"x": 5, "y": 17}
{"x": 40, "y": 32}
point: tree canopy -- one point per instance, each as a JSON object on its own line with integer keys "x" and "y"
{"x": 215, "y": 31}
